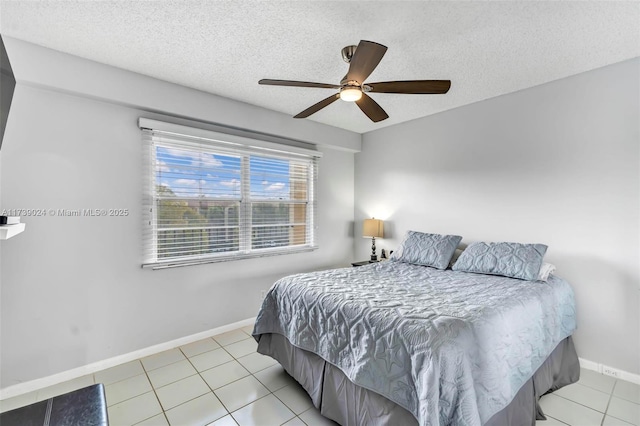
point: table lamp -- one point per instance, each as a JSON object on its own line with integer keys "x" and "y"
{"x": 372, "y": 228}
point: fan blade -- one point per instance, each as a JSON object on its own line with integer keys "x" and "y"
{"x": 371, "y": 108}
{"x": 317, "y": 107}
{"x": 297, "y": 83}
{"x": 367, "y": 57}
{"x": 412, "y": 86}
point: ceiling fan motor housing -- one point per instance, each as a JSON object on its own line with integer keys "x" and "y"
{"x": 347, "y": 53}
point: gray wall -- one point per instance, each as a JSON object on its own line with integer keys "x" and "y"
{"x": 73, "y": 291}
{"x": 556, "y": 164}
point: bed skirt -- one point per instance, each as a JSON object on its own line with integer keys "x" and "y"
{"x": 348, "y": 404}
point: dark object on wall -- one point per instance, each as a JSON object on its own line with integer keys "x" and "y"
{"x": 7, "y": 86}
{"x": 9, "y": 220}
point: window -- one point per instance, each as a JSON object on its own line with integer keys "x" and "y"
{"x": 213, "y": 198}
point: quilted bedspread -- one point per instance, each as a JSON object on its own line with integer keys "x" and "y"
{"x": 451, "y": 347}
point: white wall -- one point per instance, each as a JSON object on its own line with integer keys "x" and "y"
{"x": 73, "y": 291}
{"x": 557, "y": 164}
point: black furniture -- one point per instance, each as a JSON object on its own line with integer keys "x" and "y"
{"x": 366, "y": 262}
{"x": 83, "y": 407}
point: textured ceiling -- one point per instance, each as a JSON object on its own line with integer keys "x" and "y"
{"x": 224, "y": 47}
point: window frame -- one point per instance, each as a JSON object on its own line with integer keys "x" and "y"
{"x": 156, "y": 133}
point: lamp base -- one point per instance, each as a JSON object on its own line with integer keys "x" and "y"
{"x": 374, "y": 256}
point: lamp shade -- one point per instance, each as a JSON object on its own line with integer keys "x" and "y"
{"x": 372, "y": 228}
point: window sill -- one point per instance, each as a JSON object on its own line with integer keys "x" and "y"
{"x": 226, "y": 258}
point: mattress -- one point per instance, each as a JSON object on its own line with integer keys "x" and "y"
{"x": 449, "y": 347}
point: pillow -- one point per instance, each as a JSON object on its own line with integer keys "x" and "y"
{"x": 456, "y": 254}
{"x": 545, "y": 270}
{"x": 513, "y": 260}
{"x": 426, "y": 249}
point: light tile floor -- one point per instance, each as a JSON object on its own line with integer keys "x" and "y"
{"x": 223, "y": 381}
{"x": 596, "y": 400}
{"x": 220, "y": 381}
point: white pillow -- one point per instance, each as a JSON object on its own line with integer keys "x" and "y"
{"x": 545, "y": 270}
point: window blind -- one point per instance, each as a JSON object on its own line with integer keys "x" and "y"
{"x": 208, "y": 200}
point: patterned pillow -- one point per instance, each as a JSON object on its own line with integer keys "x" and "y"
{"x": 427, "y": 249}
{"x": 454, "y": 258}
{"x": 513, "y": 260}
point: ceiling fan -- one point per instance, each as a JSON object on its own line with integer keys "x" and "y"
{"x": 362, "y": 60}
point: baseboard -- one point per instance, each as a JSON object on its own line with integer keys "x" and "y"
{"x": 74, "y": 373}
{"x": 610, "y": 371}
{"x": 34, "y": 385}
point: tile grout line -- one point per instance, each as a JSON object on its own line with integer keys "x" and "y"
{"x": 250, "y": 375}
{"x": 590, "y": 386}
{"x": 95, "y": 381}
{"x": 611, "y": 399}
{"x": 153, "y": 388}
{"x": 296, "y": 416}
{"x": 205, "y": 382}
{"x": 559, "y": 421}
{"x": 199, "y": 373}
{"x": 609, "y": 402}
{"x": 146, "y": 372}
{"x": 579, "y": 403}
{"x": 285, "y": 404}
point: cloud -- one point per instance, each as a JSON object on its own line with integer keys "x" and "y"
{"x": 162, "y": 167}
{"x": 205, "y": 160}
{"x": 197, "y": 159}
{"x": 233, "y": 183}
{"x": 278, "y": 186}
{"x": 186, "y": 182}
{"x": 174, "y": 152}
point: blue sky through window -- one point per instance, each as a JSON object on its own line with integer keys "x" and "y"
{"x": 189, "y": 173}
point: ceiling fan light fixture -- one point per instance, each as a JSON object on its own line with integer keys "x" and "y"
{"x": 350, "y": 94}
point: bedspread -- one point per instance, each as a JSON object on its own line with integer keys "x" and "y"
{"x": 450, "y": 347}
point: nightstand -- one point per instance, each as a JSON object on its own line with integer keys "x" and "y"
{"x": 365, "y": 262}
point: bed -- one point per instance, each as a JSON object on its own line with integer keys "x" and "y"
{"x": 394, "y": 343}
